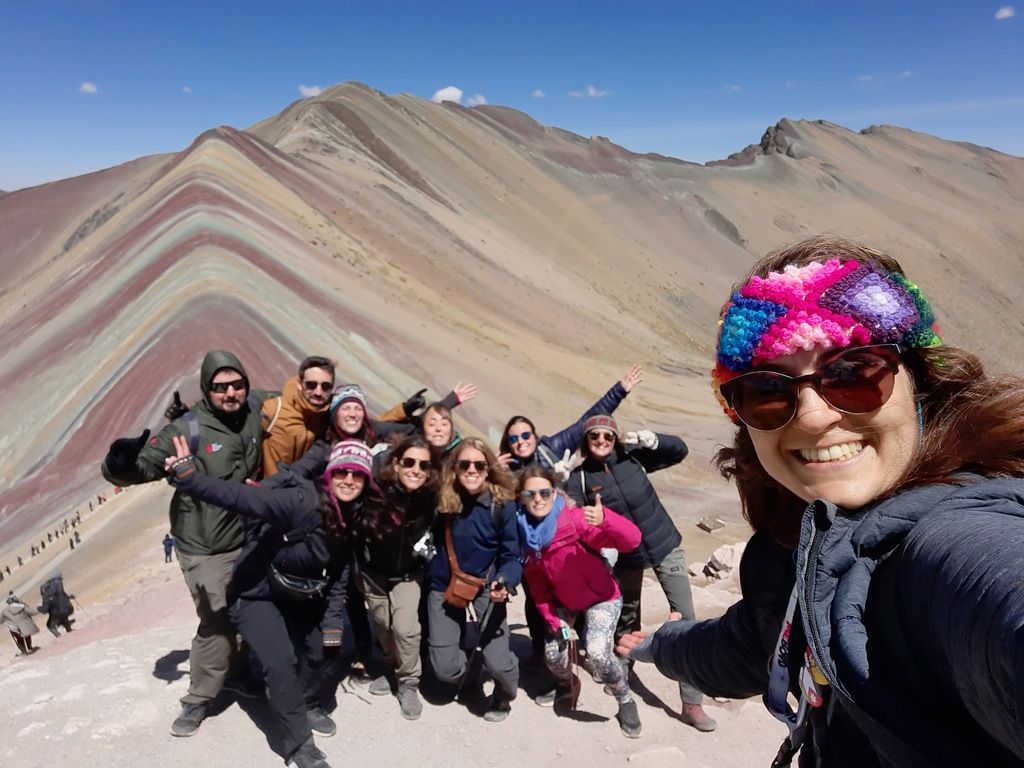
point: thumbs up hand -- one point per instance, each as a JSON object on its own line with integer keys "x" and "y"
{"x": 594, "y": 514}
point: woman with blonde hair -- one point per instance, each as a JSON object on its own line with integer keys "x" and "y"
{"x": 888, "y": 468}
{"x": 476, "y": 564}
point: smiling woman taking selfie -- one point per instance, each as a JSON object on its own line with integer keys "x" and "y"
{"x": 888, "y": 468}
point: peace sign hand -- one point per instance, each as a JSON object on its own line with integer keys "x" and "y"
{"x": 182, "y": 464}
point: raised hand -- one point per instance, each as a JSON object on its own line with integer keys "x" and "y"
{"x": 414, "y": 403}
{"x": 176, "y": 408}
{"x": 124, "y": 451}
{"x": 465, "y": 392}
{"x": 594, "y": 513}
{"x": 633, "y": 377}
{"x": 505, "y": 460}
{"x": 182, "y": 463}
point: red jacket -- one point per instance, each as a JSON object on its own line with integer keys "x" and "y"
{"x": 566, "y": 574}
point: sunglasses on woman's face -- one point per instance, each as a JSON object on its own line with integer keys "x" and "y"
{"x": 596, "y": 436}
{"x": 513, "y": 439}
{"x": 408, "y": 463}
{"x": 220, "y": 387}
{"x": 858, "y": 380}
{"x": 544, "y": 493}
{"x": 465, "y": 464}
{"x": 346, "y": 474}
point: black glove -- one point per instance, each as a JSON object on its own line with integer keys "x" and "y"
{"x": 414, "y": 403}
{"x": 123, "y": 453}
{"x": 176, "y": 408}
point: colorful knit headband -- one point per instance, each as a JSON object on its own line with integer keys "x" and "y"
{"x": 835, "y": 304}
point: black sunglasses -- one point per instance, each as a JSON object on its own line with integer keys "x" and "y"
{"x": 408, "y": 463}
{"x": 513, "y": 439}
{"x": 465, "y": 464}
{"x": 220, "y": 387}
{"x": 858, "y": 380}
{"x": 544, "y": 493}
{"x": 312, "y": 386}
{"x": 608, "y": 437}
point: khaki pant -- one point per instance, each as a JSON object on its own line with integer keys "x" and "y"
{"x": 395, "y": 613}
{"x": 213, "y": 647}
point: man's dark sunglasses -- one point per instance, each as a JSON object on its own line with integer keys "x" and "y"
{"x": 858, "y": 380}
{"x": 312, "y": 386}
{"x": 221, "y": 387}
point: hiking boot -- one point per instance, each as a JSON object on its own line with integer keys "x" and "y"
{"x": 547, "y": 699}
{"x": 381, "y": 686}
{"x": 187, "y": 723}
{"x": 629, "y": 720}
{"x": 246, "y": 688}
{"x": 498, "y": 708}
{"x": 320, "y": 722}
{"x": 694, "y": 714}
{"x": 409, "y": 701}
{"x": 471, "y": 693}
{"x": 308, "y": 756}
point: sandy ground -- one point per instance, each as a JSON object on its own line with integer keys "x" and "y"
{"x": 106, "y": 694}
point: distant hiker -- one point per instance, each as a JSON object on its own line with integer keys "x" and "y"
{"x": 17, "y": 617}
{"x": 391, "y": 564}
{"x": 476, "y": 564}
{"x": 618, "y": 473}
{"x": 168, "y": 547}
{"x": 289, "y": 584}
{"x": 225, "y": 427}
{"x": 561, "y": 546}
{"x": 56, "y": 603}
{"x": 521, "y": 447}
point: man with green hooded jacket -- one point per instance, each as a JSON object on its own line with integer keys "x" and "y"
{"x": 209, "y": 538}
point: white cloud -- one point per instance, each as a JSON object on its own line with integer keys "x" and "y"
{"x": 734, "y": 88}
{"x": 864, "y": 78}
{"x": 591, "y": 92}
{"x": 904, "y": 74}
{"x": 88, "y": 88}
{"x": 448, "y": 93}
{"x": 476, "y": 100}
{"x": 310, "y": 90}
{"x": 538, "y": 93}
{"x": 186, "y": 89}
{"x": 1006, "y": 12}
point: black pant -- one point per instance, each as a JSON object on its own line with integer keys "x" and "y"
{"x": 358, "y": 620}
{"x": 286, "y": 638}
{"x": 58, "y": 620}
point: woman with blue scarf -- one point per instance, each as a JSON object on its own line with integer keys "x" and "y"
{"x": 567, "y": 576}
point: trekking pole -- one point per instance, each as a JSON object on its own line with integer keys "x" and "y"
{"x": 483, "y": 622}
{"x": 79, "y": 605}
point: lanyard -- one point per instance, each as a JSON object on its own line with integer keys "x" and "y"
{"x": 812, "y": 683}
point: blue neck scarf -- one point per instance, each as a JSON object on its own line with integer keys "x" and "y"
{"x": 534, "y": 534}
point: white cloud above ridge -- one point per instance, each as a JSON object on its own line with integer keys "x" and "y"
{"x": 310, "y": 90}
{"x": 590, "y": 92}
{"x": 448, "y": 93}
{"x": 86, "y": 87}
{"x": 1006, "y": 12}
{"x": 538, "y": 93}
{"x": 476, "y": 100}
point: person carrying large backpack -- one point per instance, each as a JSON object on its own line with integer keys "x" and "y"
{"x": 56, "y": 603}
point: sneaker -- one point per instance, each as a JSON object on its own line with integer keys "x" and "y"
{"x": 320, "y": 722}
{"x": 629, "y": 720}
{"x": 547, "y": 699}
{"x": 246, "y": 688}
{"x": 471, "y": 693}
{"x": 187, "y": 723}
{"x": 694, "y": 714}
{"x": 381, "y": 686}
{"x": 409, "y": 702}
{"x": 308, "y": 756}
{"x": 498, "y": 708}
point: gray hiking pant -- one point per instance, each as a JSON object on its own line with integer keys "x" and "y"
{"x": 394, "y": 608}
{"x": 213, "y": 647}
{"x": 675, "y": 582}
{"x": 447, "y": 632}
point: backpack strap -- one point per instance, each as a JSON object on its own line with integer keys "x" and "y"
{"x": 547, "y": 455}
{"x": 277, "y": 412}
{"x": 192, "y": 424}
{"x": 498, "y": 517}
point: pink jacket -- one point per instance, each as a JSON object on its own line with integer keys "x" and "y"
{"x": 566, "y": 574}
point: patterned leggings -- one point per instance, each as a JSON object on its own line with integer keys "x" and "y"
{"x": 598, "y": 635}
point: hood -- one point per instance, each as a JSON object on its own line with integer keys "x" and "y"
{"x": 213, "y": 362}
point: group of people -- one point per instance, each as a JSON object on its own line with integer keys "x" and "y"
{"x": 56, "y": 603}
{"x": 879, "y": 468}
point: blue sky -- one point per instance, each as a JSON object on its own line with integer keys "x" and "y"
{"x": 88, "y": 84}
